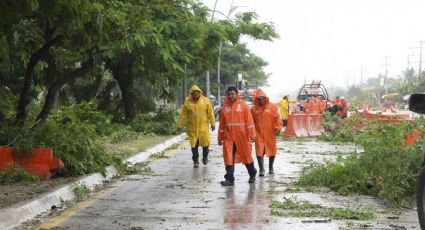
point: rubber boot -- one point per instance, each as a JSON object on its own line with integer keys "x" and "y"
{"x": 261, "y": 165}
{"x": 229, "y": 177}
{"x": 205, "y": 151}
{"x": 252, "y": 172}
{"x": 271, "y": 161}
{"x": 195, "y": 157}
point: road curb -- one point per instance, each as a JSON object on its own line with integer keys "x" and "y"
{"x": 17, "y": 214}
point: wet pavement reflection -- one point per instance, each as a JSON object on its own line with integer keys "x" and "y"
{"x": 179, "y": 196}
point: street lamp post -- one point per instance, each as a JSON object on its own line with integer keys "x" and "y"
{"x": 207, "y": 75}
{"x": 231, "y": 10}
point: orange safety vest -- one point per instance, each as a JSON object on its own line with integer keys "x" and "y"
{"x": 307, "y": 107}
{"x": 266, "y": 120}
{"x": 236, "y": 128}
{"x": 316, "y": 106}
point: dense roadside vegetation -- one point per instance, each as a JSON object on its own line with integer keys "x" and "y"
{"x": 76, "y": 75}
{"x": 386, "y": 167}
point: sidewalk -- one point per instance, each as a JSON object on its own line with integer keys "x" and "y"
{"x": 17, "y": 214}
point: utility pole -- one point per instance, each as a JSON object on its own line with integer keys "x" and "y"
{"x": 420, "y": 59}
{"x": 348, "y": 79}
{"x": 219, "y": 74}
{"x": 386, "y": 73}
{"x": 361, "y": 76}
{"x": 231, "y": 9}
{"x": 208, "y": 84}
{"x": 184, "y": 85}
{"x": 421, "y": 42}
{"x": 207, "y": 75}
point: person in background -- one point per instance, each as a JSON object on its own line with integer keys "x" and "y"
{"x": 267, "y": 126}
{"x": 344, "y": 108}
{"x": 307, "y": 106}
{"x": 337, "y": 101}
{"x": 316, "y": 106}
{"x": 198, "y": 113}
{"x": 284, "y": 108}
{"x": 235, "y": 134}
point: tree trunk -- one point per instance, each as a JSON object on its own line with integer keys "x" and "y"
{"x": 23, "y": 103}
{"x": 123, "y": 73}
{"x": 56, "y": 86}
{"x": 2, "y": 119}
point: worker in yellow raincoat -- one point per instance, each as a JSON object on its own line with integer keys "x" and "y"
{"x": 284, "y": 108}
{"x": 198, "y": 113}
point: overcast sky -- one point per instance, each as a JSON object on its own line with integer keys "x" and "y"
{"x": 332, "y": 40}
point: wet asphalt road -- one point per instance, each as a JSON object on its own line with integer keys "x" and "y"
{"x": 179, "y": 196}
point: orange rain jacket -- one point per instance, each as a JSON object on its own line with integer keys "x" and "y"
{"x": 316, "y": 106}
{"x": 344, "y": 105}
{"x": 266, "y": 120}
{"x": 236, "y": 127}
{"x": 307, "y": 107}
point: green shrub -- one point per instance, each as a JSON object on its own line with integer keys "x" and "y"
{"x": 386, "y": 168}
{"x": 15, "y": 173}
{"x": 76, "y": 143}
{"x": 142, "y": 123}
{"x": 345, "y": 175}
{"x": 122, "y": 133}
{"x": 73, "y": 133}
{"x": 8, "y": 102}
{"x": 163, "y": 123}
{"x": 81, "y": 191}
{"x": 78, "y": 133}
{"x": 87, "y": 113}
{"x": 340, "y": 130}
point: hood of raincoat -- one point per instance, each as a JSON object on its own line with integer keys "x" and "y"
{"x": 260, "y": 93}
{"x": 195, "y": 88}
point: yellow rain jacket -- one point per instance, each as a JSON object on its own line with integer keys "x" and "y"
{"x": 198, "y": 116}
{"x": 284, "y": 108}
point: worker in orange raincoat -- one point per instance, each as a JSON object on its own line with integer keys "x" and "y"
{"x": 198, "y": 113}
{"x": 236, "y": 132}
{"x": 307, "y": 106}
{"x": 341, "y": 106}
{"x": 344, "y": 112}
{"x": 267, "y": 126}
{"x": 316, "y": 105}
{"x": 337, "y": 101}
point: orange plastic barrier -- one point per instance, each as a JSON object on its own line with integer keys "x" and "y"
{"x": 37, "y": 164}
{"x": 302, "y": 125}
{"x": 40, "y": 163}
{"x": 368, "y": 115}
{"x": 296, "y": 126}
{"x": 359, "y": 126}
{"x": 414, "y": 136}
{"x": 6, "y": 157}
{"x": 314, "y": 125}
